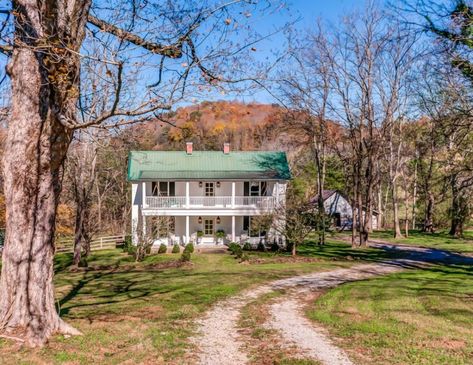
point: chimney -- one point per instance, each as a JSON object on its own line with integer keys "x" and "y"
{"x": 226, "y": 148}
{"x": 189, "y": 148}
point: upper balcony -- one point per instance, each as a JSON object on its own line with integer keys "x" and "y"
{"x": 210, "y": 202}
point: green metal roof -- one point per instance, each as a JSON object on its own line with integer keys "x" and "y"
{"x": 178, "y": 165}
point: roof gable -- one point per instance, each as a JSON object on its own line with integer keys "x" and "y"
{"x": 169, "y": 165}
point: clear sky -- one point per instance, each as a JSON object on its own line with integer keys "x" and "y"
{"x": 307, "y": 11}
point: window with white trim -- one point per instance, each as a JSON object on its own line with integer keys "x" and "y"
{"x": 209, "y": 189}
{"x": 208, "y": 227}
{"x": 163, "y": 188}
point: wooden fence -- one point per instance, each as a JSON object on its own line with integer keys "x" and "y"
{"x": 99, "y": 243}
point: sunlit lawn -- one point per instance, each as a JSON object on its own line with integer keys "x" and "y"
{"x": 414, "y": 317}
{"x": 137, "y": 313}
{"x": 440, "y": 240}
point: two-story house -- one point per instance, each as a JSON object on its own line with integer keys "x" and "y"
{"x": 189, "y": 195}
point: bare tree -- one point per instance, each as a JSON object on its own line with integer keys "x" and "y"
{"x": 306, "y": 90}
{"x": 51, "y": 40}
{"x": 81, "y": 173}
{"x": 363, "y": 45}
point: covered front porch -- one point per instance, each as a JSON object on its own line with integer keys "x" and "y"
{"x": 203, "y": 230}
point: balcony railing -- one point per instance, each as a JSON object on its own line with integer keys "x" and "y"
{"x": 179, "y": 202}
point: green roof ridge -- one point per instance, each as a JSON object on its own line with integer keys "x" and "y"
{"x": 151, "y": 165}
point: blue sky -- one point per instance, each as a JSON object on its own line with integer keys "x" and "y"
{"x": 308, "y": 11}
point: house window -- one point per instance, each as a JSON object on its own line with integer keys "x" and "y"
{"x": 254, "y": 227}
{"x": 209, "y": 189}
{"x": 255, "y": 188}
{"x": 208, "y": 227}
{"x": 163, "y": 188}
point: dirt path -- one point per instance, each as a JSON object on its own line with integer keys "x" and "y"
{"x": 218, "y": 340}
{"x": 287, "y": 318}
{"x": 218, "y": 337}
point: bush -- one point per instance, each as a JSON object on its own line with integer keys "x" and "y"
{"x": 220, "y": 233}
{"x": 261, "y": 246}
{"x": 131, "y": 250}
{"x": 127, "y": 244}
{"x": 247, "y": 246}
{"x": 186, "y": 256}
{"x": 176, "y": 248}
{"x": 162, "y": 248}
{"x": 238, "y": 252}
{"x": 189, "y": 248}
{"x": 275, "y": 247}
{"x": 233, "y": 247}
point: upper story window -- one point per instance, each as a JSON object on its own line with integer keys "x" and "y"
{"x": 209, "y": 189}
{"x": 163, "y": 188}
{"x": 255, "y": 188}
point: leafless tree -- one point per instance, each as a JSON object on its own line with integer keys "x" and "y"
{"x": 305, "y": 88}
{"x": 81, "y": 173}
{"x": 181, "y": 45}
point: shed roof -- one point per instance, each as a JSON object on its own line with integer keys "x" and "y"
{"x": 201, "y": 165}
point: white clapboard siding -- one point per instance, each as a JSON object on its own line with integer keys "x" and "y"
{"x": 99, "y": 243}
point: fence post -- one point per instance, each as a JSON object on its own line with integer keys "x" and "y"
{"x": 101, "y": 243}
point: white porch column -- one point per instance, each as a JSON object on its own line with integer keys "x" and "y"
{"x": 188, "y": 202}
{"x": 143, "y": 191}
{"x": 233, "y": 195}
{"x": 135, "y": 211}
{"x": 233, "y": 228}
{"x": 186, "y": 241}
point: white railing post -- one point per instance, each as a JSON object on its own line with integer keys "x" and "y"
{"x": 101, "y": 242}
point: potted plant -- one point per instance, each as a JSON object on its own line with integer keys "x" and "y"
{"x": 220, "y": 234}
{"x": 200, "y": 234}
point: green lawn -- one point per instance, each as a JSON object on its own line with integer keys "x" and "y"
{"x": 441, "y": 240}
{"x": 141, "y": 313}
{"x": 415, "y": 317}
{"x": 138, "y": 313}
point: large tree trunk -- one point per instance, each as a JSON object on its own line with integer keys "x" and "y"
{"x": 397, "y": 226}
{"x": 36, "y": 146}
{"x": 429, "y": 213}
{"x": 81, "y": 236}
{"x": 457, "y": 210}
{"x": 37, "y": 142}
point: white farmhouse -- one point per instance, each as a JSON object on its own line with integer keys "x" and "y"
{"x": 205, "y": 197}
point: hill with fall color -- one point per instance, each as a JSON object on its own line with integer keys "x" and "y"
{"x": 210, "y": 124}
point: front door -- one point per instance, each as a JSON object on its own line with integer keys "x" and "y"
{"x": 209, "y": 228}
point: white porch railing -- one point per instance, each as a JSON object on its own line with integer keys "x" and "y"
{"x": 165, "y": 201}
{"x": 264, "y": 202}
{"x": 211, "y": 201}
{"x": 179, "y": 202}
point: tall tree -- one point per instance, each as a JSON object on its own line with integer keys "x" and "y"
{"x": 46, "y": 54}
{"x": 306, "y": 90}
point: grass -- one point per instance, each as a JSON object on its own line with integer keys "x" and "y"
{"x": 440, "y": 240}
{"x": 136, "y": 313}
{"x": 415, "y": 317}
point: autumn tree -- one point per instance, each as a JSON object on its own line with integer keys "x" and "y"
{"x": 187, "y": 43}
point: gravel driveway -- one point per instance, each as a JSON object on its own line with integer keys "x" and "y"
{"x": 217, "y": 338}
